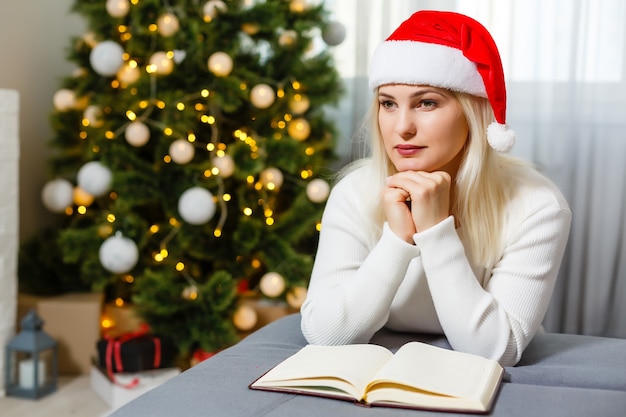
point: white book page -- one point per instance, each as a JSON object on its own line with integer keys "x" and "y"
{"x": 323, "y": 365}
{"x": 438, "y": 370}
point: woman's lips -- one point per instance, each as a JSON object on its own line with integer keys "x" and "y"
{"x": 408, "y": 150}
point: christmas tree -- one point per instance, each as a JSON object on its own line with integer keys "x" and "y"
{"x": 192, "y": 158}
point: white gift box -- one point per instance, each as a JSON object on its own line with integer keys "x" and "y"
{"x": 117, "y": 394}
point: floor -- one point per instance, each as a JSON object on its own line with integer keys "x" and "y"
{"x": 74, "y": 397}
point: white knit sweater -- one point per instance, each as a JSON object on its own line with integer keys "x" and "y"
{"x": 357, "y": 286}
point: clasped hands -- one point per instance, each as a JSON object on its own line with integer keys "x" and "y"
{"x": 429, "y": 197}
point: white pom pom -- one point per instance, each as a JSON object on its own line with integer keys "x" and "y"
{"x": 500, "y": 137}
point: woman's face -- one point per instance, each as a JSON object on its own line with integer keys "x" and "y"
{"x": 423, "y": 128}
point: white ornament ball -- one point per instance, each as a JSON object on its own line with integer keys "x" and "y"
{"x": 272, "y": 178}
{"x": 212, "y": 8}
{"x": 137, "y": 134}
{"x": 118, "y": 254}
{"x": 220, "y": 64}
{"x": 299, "y": 129}
{"x": 182, "y": 151}
{"x": 179, "y": 55}
{"x": 299, "y": 104}
{"x": 245, "y": 318}
{"x": 287, "y": 38}
{"x": 196, "y": 206}
{"x": 296, "y": 296}
{"x": 57, "y": 195}
{"x": 272, "y": 284}
{"x": 334, "y": 33}
{"x": 167, "y": 24}
{"x": 64, "y": 99}
{"x": 93, "y": 115}
{"x": 161, "y": 63}
{"x": 128, "y": 74}
{"x": 106, "y": 58}
{"x": 117, "y": 8}
{"x": 262, "y": 96}
{"x": 225, "y": 165}
{"x": 95, "y": 178}
{"x": 317, "y": 190}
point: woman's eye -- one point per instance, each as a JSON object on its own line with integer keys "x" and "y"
{"x": 387, "y": 104}
{"x": 427, "y": 103}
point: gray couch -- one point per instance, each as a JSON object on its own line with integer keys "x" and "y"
{"x": 559, "y": 375}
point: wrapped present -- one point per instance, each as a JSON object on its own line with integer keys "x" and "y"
{"x": 135, "y": 352}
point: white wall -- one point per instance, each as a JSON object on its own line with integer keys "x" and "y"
{"x": 34, "y": 40}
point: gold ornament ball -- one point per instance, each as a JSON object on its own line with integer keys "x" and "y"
{"x": 272, "y": 284}
{"x": 317, "y": 190}
{"x": 82, "y": 197}
{"x": 288, "y": 38}
{"x": 245, "y": 318}
{"x": 298, "y": 6}
{"x": 299, "y": 129}
{"x": 161, "y": 63}
{"x": 262, "y": 96}
{"x": 225, "y": 165}
{"x": 117, "y": 8}
{"x": 220, "y": 64}
{"x": 182, "y": 151}
{"x": 271, "y": 178}
{"x": 167, "y": 24}
{"x": 128, "y": 74}
{"x": 299, "y": 104}
{"x": 296, "y": 296}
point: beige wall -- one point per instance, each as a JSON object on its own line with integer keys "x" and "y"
{"x": 34, "y": 40}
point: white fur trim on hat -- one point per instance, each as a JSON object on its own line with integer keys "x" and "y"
{"x": 394, "y": 62}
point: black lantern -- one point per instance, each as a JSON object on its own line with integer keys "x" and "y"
{"x": 31, "y": 369}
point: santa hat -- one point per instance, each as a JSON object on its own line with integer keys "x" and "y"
{"x": 451, "y": 51}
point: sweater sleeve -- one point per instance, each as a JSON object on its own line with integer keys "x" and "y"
{"x": 352, "y": 284}
{"x": 499, "y": 318}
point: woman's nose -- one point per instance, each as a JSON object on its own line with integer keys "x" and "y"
{"x": 405, "y": 124}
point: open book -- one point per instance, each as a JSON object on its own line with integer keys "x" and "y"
{"x": 418, "y": 375}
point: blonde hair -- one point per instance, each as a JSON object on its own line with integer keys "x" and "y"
{"x": 483, "y": 185}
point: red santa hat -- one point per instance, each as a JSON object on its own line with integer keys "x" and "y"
{"x": 451, "y": 51}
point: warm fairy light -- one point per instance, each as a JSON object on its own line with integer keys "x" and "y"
{"x": 152, "y": 27}
{"x": 256, "y": 264}
{"x": 106, "y": 323}
{"x": 143, "y": 104}
{"x": 180, "y": 106}
{"x": 247, "y": 211}
{"x": 217, "y": 233}
{"x": 83, "y": 135}
{"x": 180, "y": 266}
{"x": 318, "y": 226}
{"x": 132, "y": 63}
{"x": 170, "y": 54}
{"x": 226, "y": 197}
{"x": 131, "y": 115}
{"x": 288, "y": 117}
{"x": 258, "y": 186}
{"x": 304, "y": 174}
{"x": 81, "y": 209}
{"x": 269, "y": 221}
{"x": 125, "y": 36}
{"x": 119, "y": 302}
{"x": 220, "y": 153}
{"x": 154, "y": 228}
{"x": 207, "y": 173}
{"x": 243, "y": 86}
{"x": 69, "y": 211}
{"x": 281, "y": 124}
{"x": 204, "y": 93}
{"x": 309, "y": 151}
{"x": 173, "y": 221}
{"x": 160, "y": 104}
{"x": 167, "y": 159}
{"x": 85, "y": 122}
{"x": 215, "y": 171}
{"x": 210, "y": 147}
{"x": 168, "y": 131}
{"x": 296, "y": 85}
{"x": 109, "y": 135}
{"x": 280, "y": 93}
{"x": 191, "y": 137}
{"x": 115, "y": 84}
{"x": 164, "y": 253}
{"x": 158, "y": 257}
{"x": 268, "y": 212}
{"x": 122, "y": 28}
{"x": 111, "y": 218}
{"x": 129, "y": 278}
{"x": 198, "y": 107}
{"x": 250, "y": 179}
{"x": 207, "y": 119}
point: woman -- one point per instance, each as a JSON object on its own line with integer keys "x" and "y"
{"x": 438, "y": 231}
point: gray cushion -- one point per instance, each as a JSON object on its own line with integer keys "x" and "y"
{"x": 560, "y": 375}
